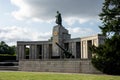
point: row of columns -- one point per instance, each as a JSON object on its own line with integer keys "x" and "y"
{"x": 85, "y": 48}
{"x": 33, "y": 51}
{"x": 46, "y": 53}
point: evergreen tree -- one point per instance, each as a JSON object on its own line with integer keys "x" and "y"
{"x": 111, "y": 17}
{"x": 107, "y": 55}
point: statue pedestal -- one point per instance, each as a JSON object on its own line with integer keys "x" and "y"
{"x": 60, "y": 34}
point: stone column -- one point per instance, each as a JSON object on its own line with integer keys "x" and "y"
{"x": 30, "y": 54}
{"x": 33, "y": 52}
{"x": 74, "y": 49}
{"x": 20, "y": 52}
{"x": 46, "y": 51}
{"x": 86, "y": 53}
{"x": 50, "y": 51}
{"x": 42, "y": 51}
{"x": 92, "y": 42}
{"x": 81, "y": 49}
{"x": 84, "y": 49}
{"x": 36, "y": 52}
{"x": 95, "y": 42}
{"x": 70, "y": 47}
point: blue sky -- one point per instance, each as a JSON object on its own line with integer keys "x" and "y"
{"x": 33, "y": 20}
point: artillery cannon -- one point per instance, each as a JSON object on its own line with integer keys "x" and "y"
{"x": 66, "y": 53}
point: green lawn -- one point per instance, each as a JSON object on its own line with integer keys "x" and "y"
{"x": 53, "y": 76}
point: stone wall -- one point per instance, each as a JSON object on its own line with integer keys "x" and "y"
{"x": 69, "y": 66}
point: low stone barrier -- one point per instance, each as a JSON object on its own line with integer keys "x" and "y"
{"x": 67, "y": 65}
{"x": 10, "y": 68}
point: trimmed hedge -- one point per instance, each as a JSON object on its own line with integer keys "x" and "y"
{"x": 7, "y": 58}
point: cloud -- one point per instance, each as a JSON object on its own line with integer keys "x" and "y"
{"x": 23, "y": 10}
{"x": 71, "y": 20}
{"x": 81, "y": 32}
{"x": 44, "y": 10}
{"x": 41, "y": 11}
{"x": 15, "y": 33}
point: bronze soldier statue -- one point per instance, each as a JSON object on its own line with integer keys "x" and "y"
{"x": 58, "y": 18}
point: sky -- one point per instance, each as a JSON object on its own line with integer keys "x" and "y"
{"x": 33, "y": 20}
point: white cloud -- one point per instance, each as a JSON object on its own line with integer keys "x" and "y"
{"x": 81, "y": 21}
{"x": 41, "y": 11}
{"x": 24, "y": 10}
{"x": 71, "y": 20}
{"x": 37, "y": 20}
{"x": 15, "y": 33}
{"x": 81, "y": 32}
{"x": 45, "y": 10}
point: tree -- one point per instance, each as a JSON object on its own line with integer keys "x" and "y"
{"x": 107, "y": 55}
{"x": 11, "y": 50}
{"x": 5, "y": 49}
{"x": 111, "y": 17}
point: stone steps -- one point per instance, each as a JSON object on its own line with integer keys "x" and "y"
{"x": 10, "y": 68}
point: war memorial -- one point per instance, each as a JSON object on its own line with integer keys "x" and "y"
{"x": 59, "y": 54}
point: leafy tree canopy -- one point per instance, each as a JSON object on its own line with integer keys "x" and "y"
{"x": 5, "y": 49}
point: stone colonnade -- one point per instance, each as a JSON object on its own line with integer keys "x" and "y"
{"x": 86, "y": 42}
{"x": 37, "y": 50}
{"x": 80, "y": 46}
{"x": 43, "y": 49}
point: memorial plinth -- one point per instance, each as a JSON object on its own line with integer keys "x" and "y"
{"x": 60, "y": 34}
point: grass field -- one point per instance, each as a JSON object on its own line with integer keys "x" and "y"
{"x": 53, "y": 76}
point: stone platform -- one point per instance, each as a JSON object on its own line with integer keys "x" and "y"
{"x": 66, "y": 65}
